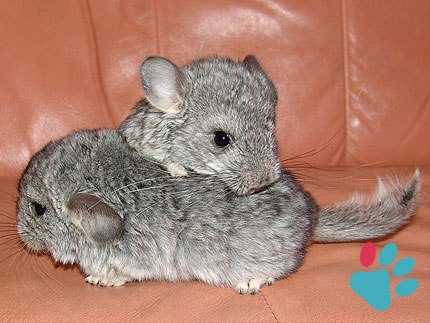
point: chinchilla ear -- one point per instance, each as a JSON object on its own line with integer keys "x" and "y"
{"x": 252, "y": 63}
{"x": 99, "y": 221}
{"x": 163, "y": 83}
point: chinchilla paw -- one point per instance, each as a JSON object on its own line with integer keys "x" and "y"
{"x": 105, "y": 282}
{"x": 176, "y": 170}
{"x": 242, "y": 287}
{"x": 252, "y": 286}
{"x": 93, "y": 280}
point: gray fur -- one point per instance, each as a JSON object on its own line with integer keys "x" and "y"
{"x": 236, "y": 219}
{"x": 216, "y": 94}
{"x": 389, "y": 209}
{"x": 174, "y": 228}
{"x": 184, "y": 228}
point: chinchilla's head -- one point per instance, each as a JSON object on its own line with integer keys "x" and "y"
{"x": 41, "y": 225}
{"x": 45, "y": 220}
{"x": 213, "y": 116}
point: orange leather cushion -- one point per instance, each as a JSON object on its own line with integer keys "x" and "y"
{"x": 353, "y": 80}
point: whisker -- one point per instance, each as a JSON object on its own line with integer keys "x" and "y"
{"x": 52, "y": 277}
{"x": 10, "y": 224}
{"x": 142, "y": 181}
{"x": 42, "y": 274}
{"x": 10, "y": 194}
{"x": 148, "y": 188}
{"x": 5, "y": 215}
{"x": 18, "y": 264}
{"x": 9, "y": 235}
{"x": 314, "y": 151}
{"x": 148, "y": 207}
{"x": 170, "y": 182}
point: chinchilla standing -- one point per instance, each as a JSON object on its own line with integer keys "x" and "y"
{"x": 233, "y": 217}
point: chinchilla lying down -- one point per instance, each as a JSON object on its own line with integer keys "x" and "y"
{"x": 229, "y": 216}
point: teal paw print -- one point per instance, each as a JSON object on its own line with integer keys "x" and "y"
{"x": 374, "y": 286}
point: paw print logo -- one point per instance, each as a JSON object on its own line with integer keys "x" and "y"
{"x": 374, "y": 286}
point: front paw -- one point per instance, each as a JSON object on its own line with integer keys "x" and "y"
{"x": 252, "y": 286}
{"x": 94, "y": 280}
{"x": 176, "y": 170}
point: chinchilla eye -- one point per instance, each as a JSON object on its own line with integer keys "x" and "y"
{"x": 221, "y": 139}
{"x": 39, "y": 208}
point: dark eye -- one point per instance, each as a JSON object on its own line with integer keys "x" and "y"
{"x": 40, "y": 209}
{"x": 221, "y": 139}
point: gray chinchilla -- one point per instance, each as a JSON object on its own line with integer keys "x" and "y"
{"x": 92, "y": 200}
{"x": 213, "y": 116}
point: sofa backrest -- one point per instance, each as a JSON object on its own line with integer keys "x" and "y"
{"x": 353, "y": 76}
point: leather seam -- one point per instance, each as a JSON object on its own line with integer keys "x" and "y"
{"x": 96, "y": 63}
{"x": 268, "y": 306}
{"x": 345, "y": 77}
{"x": 157, "y": 26}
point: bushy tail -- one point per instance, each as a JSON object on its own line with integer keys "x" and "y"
{"x": 355, "y": 219}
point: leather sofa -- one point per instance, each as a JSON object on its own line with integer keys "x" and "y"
{"x": 353, "y": 80}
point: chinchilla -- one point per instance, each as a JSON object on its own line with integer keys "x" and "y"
{"x": 214, "y": 116}
{"x": 90, "y": 199}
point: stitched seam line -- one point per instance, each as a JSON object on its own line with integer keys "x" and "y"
{"x": 157, "y": 30}
{"x": 345, "y": 78}
{"x": 98, "y": 76}
{"x": 268, "y": 306}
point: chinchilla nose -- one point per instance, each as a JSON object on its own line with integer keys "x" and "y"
{"x": 256, "y": 189}
{"x": 255, "y": 181}
{"x": 265, "y": 180}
